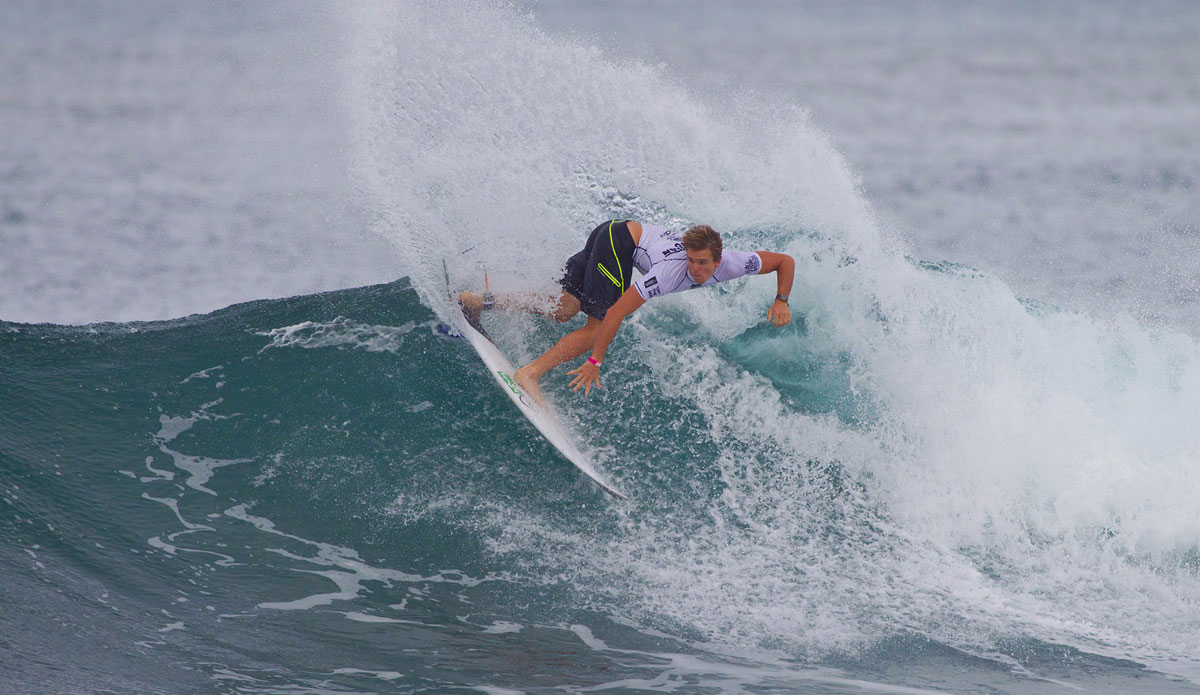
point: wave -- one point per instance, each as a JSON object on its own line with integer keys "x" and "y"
{"x": 809, "y": 510}
{"x": 973, "y": 463}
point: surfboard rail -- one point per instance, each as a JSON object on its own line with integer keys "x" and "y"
{"x": 543, "y": 418}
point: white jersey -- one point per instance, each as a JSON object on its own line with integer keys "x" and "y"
{"x": 661, "y": 258}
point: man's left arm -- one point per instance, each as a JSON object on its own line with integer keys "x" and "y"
{"x": 784, "y": 267}
{"x": 588, "y": 373}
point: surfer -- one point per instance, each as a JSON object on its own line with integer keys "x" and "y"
{"x": 596, "y": 280}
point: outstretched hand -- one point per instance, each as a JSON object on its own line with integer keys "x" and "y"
{"x": 586, "y": 375}
{"x": 779, "y": 314}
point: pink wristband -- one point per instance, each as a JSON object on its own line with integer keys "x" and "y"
{"x": 593, "y": 361}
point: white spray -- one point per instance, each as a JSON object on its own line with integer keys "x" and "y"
{"x": 1016, "y": 470}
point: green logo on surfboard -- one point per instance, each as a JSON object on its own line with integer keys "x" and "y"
{"x": 511, "y": 384}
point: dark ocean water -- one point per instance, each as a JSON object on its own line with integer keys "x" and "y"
{"x": 327, "y": 494}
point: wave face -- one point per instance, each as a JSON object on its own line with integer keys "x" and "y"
{"x": 923, "y": 481}
{"x": 328, "y": 492}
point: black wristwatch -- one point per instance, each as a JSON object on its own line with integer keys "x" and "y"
{"x": 782, "y": 298}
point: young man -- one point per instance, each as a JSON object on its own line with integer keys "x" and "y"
{"x": 597, "y": 278}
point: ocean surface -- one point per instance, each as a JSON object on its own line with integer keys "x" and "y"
{"x": 238, "y": 453}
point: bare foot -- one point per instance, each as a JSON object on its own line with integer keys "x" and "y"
{"x": 472, "y": 305}
{"x": 529, "y": 384}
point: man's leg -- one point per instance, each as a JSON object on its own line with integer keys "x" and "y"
{"x": 569, "y": 347}
{"x": 563, "y": 309}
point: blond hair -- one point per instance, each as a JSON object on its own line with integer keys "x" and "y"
{"x": 701, "y": 237}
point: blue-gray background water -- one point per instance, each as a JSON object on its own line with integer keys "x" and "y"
{"x": 970, "y": 465}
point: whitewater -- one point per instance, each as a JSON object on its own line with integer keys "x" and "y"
{"x": 929, "y": 482}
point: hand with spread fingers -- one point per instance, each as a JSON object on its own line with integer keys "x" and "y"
{"x": 587, "y": 374}
{"x": 779, "y": 314}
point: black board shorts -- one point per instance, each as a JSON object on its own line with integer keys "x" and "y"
{"x": 599, "y": 274}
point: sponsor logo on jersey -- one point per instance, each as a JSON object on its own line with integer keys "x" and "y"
{"x": 654, "y": 292}
{"x": 650, "y": 282}
{"x": 674, "y": 249}
{"x": 752, "y": 264}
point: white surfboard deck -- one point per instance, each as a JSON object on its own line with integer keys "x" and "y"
{"x": 543, "y": 418}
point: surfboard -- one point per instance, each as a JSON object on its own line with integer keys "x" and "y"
{"x": 543, "y": 418}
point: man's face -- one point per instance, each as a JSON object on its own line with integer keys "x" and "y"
{"x": 701, "y": 265}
